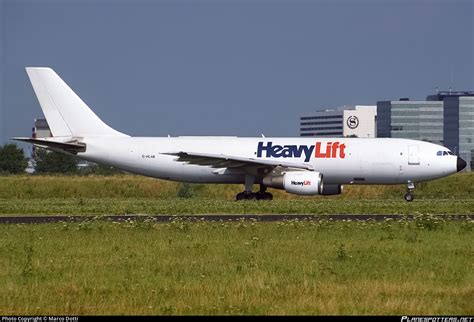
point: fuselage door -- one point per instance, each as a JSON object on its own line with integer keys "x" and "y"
{"x": 413, "y": 154}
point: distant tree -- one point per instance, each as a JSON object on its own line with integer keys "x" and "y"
{"x": 12, "y": 159}
{"x": 54, "y": 162}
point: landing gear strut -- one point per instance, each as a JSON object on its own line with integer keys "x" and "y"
{"x": 262, "y": 194}
{"x": 409, "y": 196}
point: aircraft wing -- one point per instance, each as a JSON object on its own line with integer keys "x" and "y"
{"x": 225, "y": 161}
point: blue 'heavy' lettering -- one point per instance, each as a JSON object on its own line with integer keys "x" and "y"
{"x": 262, "y": 148}
{"x": 286, "y": 151}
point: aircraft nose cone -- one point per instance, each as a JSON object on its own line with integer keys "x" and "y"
{"x": 461, "y": 164}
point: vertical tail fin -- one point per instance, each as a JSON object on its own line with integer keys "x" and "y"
{"x": 66, "y": 113}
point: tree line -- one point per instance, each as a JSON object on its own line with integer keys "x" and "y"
{"x": 14, "y": 161}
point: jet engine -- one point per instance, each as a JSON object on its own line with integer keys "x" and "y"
{"x": 297, "y": 182}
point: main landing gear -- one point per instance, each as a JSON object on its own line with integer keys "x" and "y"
{"x": 253, "y": 196}
{"x": 262, "y": 194}
{"x": 409, "y": 196}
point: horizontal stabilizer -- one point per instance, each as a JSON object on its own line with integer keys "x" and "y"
{"x": 73, "y": 146}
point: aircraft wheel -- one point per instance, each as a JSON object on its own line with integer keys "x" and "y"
{"x": 246, "y": 196}
{"x": 240, "y": 196}
{"x": 409, "y": 196}
{"x": 265, "y": 196}
{"x": 251, "y": 196}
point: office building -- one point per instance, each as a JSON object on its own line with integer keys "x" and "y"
{"x": 41, "y": 129}
{"x": 445, "y": 118}
{"x": 358, "y": 121}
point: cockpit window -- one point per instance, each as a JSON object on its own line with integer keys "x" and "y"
{"x": 442, "y": 153}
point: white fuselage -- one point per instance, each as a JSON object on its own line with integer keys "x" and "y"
{"x": 340, "y": 160}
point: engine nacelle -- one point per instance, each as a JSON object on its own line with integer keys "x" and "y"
{"x": 332, "y": 189}
{"x": 297, "y": 182}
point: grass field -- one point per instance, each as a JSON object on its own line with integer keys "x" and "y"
{"x": 418, "y": 267}
{"x": 458, "y": 186}
{"x": 178, "y": 206}
{"x": 408, "y": 267}
{"x": 128, "y": 194}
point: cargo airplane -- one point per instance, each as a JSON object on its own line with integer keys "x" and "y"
{"x": 302, "y": 166}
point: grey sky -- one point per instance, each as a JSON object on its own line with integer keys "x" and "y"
{"x": 230, "y": 67}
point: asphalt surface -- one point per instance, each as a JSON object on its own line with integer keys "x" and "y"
{"x": 167, "y": 218}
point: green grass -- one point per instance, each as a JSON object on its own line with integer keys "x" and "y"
{"x": 127, "y": 194}
{"x": 420, "y": 267}
{"x": 417, "y": 267}
{"x": 459, "y": 186}
{"x": 177, "y": 206}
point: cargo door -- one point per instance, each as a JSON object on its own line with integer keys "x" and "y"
{"x": 413, "y": 154}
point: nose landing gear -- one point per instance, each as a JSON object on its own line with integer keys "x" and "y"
{"x": 409, "y": 196}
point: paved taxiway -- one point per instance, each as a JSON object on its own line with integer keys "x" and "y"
{"x": 167, "y": 218}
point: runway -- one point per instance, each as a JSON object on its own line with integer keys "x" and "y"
{"x": 38, "y": 219}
